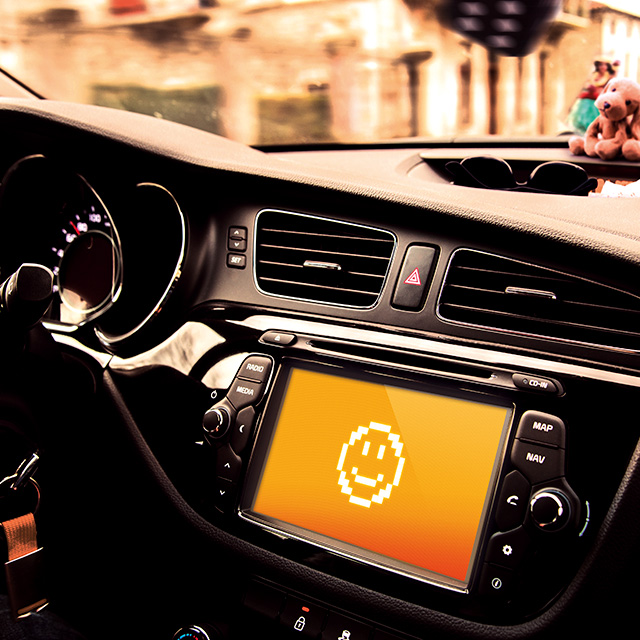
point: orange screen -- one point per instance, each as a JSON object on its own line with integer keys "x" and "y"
{"x": 398, "y": 472}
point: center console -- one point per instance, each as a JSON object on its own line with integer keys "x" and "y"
{"x": 462, "y": 485}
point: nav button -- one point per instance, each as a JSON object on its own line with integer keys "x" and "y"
{"x": 538, "y": 464}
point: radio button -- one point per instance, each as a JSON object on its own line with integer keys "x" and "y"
{"x": 543, "y": 428}
{"x": 255, "y": 368}
{"x": 513, "y": 501}
{"x": 537, "y": 463}
{"x": 244, "y": 393}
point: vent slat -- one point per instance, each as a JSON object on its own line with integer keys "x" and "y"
{"x": 475, "y": 292}
{"x": 291, "y": 249}
{"x": 323, "y": 251}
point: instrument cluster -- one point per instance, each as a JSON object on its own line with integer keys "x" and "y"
{"x": 53, "y": 217}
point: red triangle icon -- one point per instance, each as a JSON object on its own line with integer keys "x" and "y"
{"x": 414, "y": 278}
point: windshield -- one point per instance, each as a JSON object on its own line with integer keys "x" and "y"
{"x": 279, "y": 72}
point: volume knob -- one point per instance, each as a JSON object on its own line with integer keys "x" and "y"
{"x": 550, "y": 509}
{"x": 216, "y": 422}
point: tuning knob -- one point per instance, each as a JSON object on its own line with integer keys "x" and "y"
{"x": 550, "y": 509}
{"x": 216, "y": 422}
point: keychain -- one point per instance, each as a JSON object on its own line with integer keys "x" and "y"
{"x": 24, "y": 567}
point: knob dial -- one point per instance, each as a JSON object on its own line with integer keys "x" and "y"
{"x": 550, "y": 509}
{"x": 216, "y": 422}
{"x": 197, "y": 632}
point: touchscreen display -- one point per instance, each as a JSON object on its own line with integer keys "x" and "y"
{"x": 392, "y": 475}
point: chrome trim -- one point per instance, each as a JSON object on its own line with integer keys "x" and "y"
{"x": 533, "y": 293}
{"x": 322, "y": 265}
{"x": 103, "y": 359}
{"x": 309, "y": 300}
{"x": 429, "y": 346}
{"x": 180, "y": 350}
{"x": 538, "y": 336}
{"x": 109, "y": 340}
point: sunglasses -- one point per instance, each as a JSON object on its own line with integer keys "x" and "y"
{"x": 489, "y": 172}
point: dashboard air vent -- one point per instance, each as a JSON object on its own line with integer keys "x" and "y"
{"x": 321, "y": 260}
{"x": 495, "y": 292}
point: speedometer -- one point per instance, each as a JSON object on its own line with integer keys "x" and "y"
{"x": 52, "y": 216}
{"x": 86, "y": 260}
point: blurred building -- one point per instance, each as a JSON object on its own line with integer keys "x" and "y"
{"x": 304, "y": 71}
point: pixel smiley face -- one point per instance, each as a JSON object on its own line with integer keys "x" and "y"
{"x": 370, "y": 464}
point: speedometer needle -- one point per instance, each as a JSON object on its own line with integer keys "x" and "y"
{"x": 74, "y": 227}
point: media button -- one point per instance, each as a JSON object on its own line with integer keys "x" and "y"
{"x": 244, "y": 393}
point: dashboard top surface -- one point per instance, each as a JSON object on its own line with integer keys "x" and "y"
{"x": 192, "y": 214}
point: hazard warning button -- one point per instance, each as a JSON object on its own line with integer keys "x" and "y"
{"x": 414, "y": 277}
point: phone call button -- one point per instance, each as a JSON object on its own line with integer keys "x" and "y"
{"x": 514, "y": 498}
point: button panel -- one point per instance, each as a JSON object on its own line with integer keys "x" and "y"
{"x": 237, "y": 240}
{"x": 534, "y": 503}
{"x": 228, "y": 427}
{"x": 302, "y": 617}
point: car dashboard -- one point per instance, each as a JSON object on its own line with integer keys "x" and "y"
{"x": 322, "y": 392}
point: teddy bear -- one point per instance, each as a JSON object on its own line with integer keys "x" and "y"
{"x": 617, "y": 129}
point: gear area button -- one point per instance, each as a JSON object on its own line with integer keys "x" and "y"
{"x": 305, "y": 618}
{"x": 340, "y": 627}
